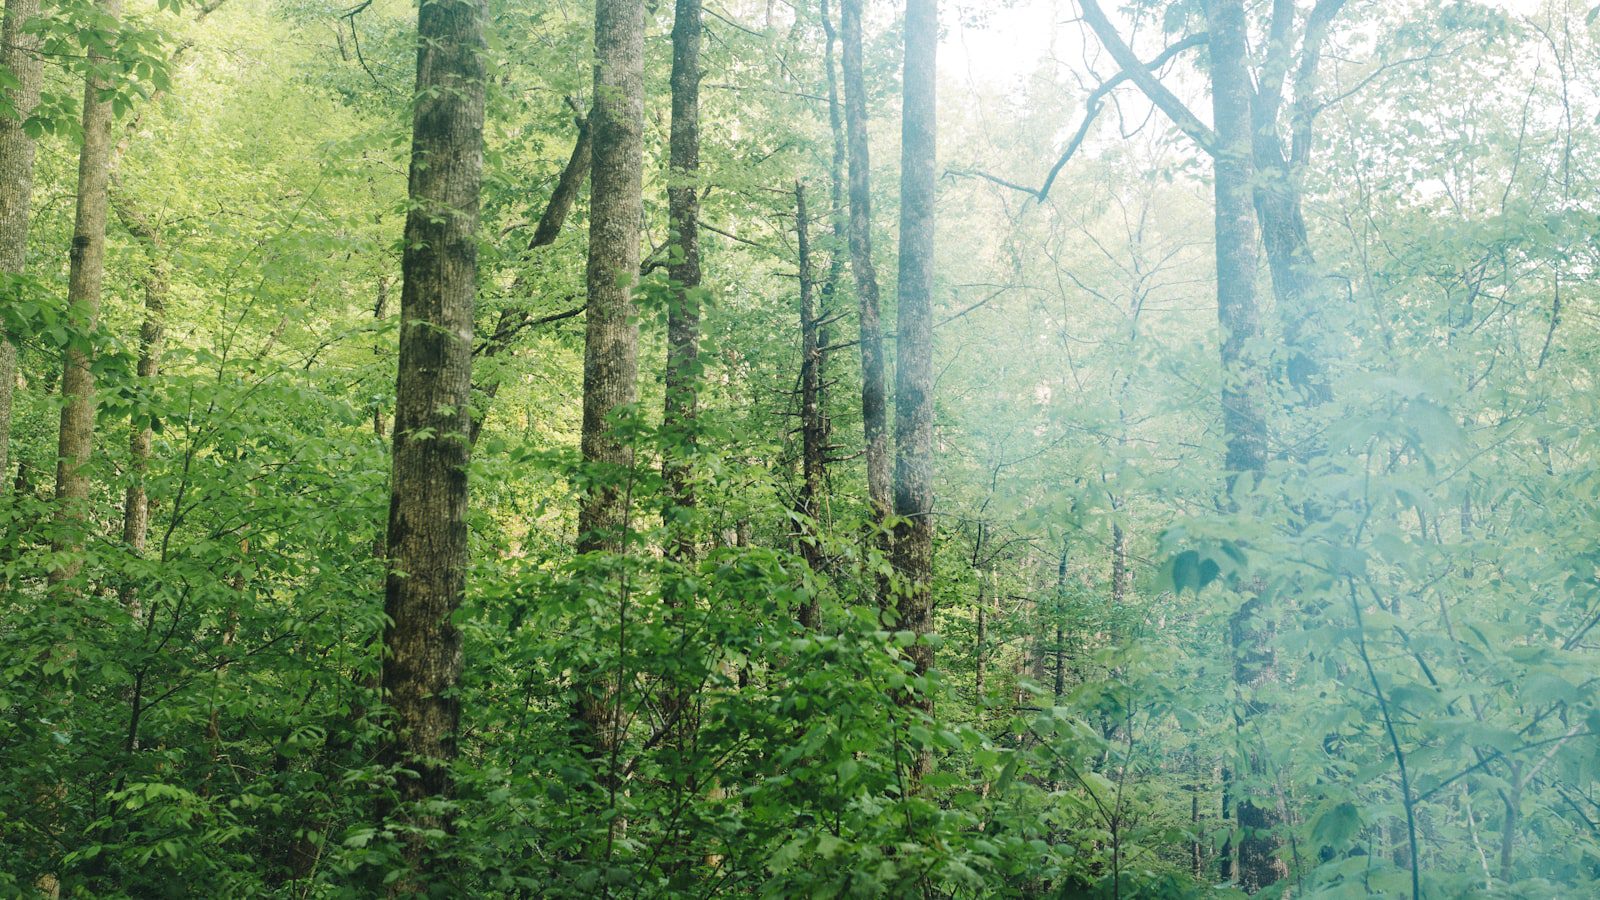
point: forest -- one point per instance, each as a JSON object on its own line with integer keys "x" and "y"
{"x": 800, "y": 448}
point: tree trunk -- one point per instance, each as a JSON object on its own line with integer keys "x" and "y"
{"x": 874, "y": 404}
{"x": 838, "y": 215}
{"x": 1291, "y": 265}
{"x": 136, "y": 502}
{"x": 813, "y": 428}
{"x": 913, "y": 412}
{"x": 980, "y": 650}
{"x": 838, "y": 246}
{"x": 380, "y": 311}
{"x": 683, "y": 315}
{"x": 1242, "y": 382}
{"x": 1060, "y": 605}
{"x": 85, "y": 279}
{"x": 611, "y": 341}
{"x": 18, "y": 56}
{"x": 427, "y": 538}
{"x": 1280, "y": 165}
{"x": 1121, "y": 575}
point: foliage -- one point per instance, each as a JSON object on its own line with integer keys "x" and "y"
{"x": 1421, "y": 547}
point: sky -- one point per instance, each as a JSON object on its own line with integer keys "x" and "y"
{"x": 997, "y": 43}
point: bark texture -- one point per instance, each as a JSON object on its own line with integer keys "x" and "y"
{"x": 913, "y": 416}
{"x": 683, "y": 316}
{"x": 18, "y": 56}
{"x": 84, "y": 283}
{"x": 427, "y": 536}
{"x": 1244, "y": 424}
{"x": 874, "y": 403}
{"x": 611, "y": 338}
{"x": 1235, "y": 226}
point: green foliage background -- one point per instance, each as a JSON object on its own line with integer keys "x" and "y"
{"x": 1434, "y": 565}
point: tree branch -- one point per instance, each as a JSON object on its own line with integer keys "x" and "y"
{"x": 1164, "y": 100}
{"x": 1091, "y": 110}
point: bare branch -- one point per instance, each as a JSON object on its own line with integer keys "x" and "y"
{"x": 1152, "y": 87}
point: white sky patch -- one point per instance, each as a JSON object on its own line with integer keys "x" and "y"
{"x": 999, "y": 44}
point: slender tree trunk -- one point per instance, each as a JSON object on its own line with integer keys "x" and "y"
{"x": 980, "y": 651}
{"x": 874, "y": 404}
{"x": 136, "y": 502}
{"x": 1512, "y": 797}
{"x": 380, "y": 311}
{"x": 1121, "y": 575}
{"x": 838, "y": 247}
{"x": 1244, "y": 425}
{"x": 913, "y": 419}
{"x": 85, "y": 279}
{"x": 683, "y": 315}
{"x": 813, "y": 426}
{"x": 682, "y": 375}
{"x": 838, "y": 214}
{"x": 1060, "y": 649}
{"x": 18, "y": 56}
{"x": 611, "y": 343}
{"x": 427, "y": 539}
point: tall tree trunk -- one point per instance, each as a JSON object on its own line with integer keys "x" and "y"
{"x": 874, "y": 404}
{"x": 136, "y": 502}
{"x": 19, "y": 56}
{"x": 683, "y": 315}
{"x": 838, "y": 247}
{"x": 913, "y": 411}
{"x": 427, "y": 538}
{"x": 1244, "y": 425}
{"x": 838, "y": 215}
{"x": 813, "y": 427}
{"x": 85, "y": 279}
{"x": 611, "y": 341}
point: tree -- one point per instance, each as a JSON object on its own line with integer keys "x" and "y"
{"x": 19, "y": 57}
{"x": 913, "y": 419}
{"x": 874, "y": 401}
{"x": 683, "y": 313}
{"x": 1281, "y": 165}
{"x": 427, "y": 535}
{"x": 75, "y": 442}
{"x": 155, "y": 282}
{"x": 813, "y": 421}
{"x": 611, "y": 335}
{"x": 1229, "y": 144}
